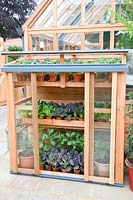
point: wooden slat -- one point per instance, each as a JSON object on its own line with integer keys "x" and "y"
{"x": 11, "y": 122}
{"x": 87, "y": 127}
{"x": 112, "y": 39}
{"x": 101, "y": 36}
{"x": 61, "y": 174}
{"x": 55, "y": 42}
{"x": 124, "y": 59}
{"x": 23, "y": 107}
{"x": 74, "y": 84}
{"x": 2, "y": 78}
{"x": 30, "y": 42}
{"x": 102, "y": 125}
{"x": 61, "y": 58}
{"x": 98, "y": 179}
{"x": 21, "y": 129}
{"x": 105, "y": 84}
{"x": 102, "y": 110}
{"x": 55, "y": 122}
{"x": 63, "y": 80}
{"x": 72, "y": 123}
{"x": 62, "y": 75}
{"x": 26, "y": 46}
{"x": 65, "y": 123}
{"x": 119, "y": 160}
{"x": 26, "y": 171}
{"x": 2, "y": 87}
{"x": 35, "y": 122}
{"x": 91, "y": 124}
{"x": 113, "y": 127}
{"x": 83, "y": 41}
{"x": 78, "y": 29}
{"x": 22, "y": 83}
{"x": 22, "y": 100}
{"x": 54, "y": 12}
{"x": 40, "y": 84}
{"x": 83, "y": 4}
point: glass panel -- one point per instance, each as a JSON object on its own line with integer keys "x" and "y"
{"x": 92, "y": 41}
{"x": 42, "y": 42}
{"x": 96, "y": 12}
{"x": 101, "y": 152}
{"x": 69, "y": 41}
{"x": 46, "y": 18}
{"x": 24, "y": 131}
{"x": 106, "y": 40}
{"x": 25, "y": 147}
{"x": 102, "y": 117}
{"x": 118, "y": 4}
{"x": 69, "y": 12}
{"x": 123, "y": 40}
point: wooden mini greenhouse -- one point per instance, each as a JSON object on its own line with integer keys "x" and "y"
{"x": 71, "y": 121}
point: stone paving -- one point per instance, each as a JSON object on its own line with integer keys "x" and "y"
{"x": 19, "y": 187}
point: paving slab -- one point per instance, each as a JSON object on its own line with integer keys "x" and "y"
{"x": 25, "y": 182}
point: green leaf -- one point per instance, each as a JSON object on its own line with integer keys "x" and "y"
{"x": 69, "y": 143}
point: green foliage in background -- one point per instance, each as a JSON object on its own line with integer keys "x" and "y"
{"x": 125, "y": 39}
{"x": 13, "y": 48}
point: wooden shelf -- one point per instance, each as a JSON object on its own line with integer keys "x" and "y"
{"x": 51, "y": 84}
{"x": 74, "y": 84}
{"x": 56, "y": 123}
{"x": 104, "y": 84}
{"x": 21, "y": 84}
{"x": 75, "y": 124}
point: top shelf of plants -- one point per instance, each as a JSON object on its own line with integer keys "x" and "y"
{"x": 66, "y": 61}
{"x": 65, "y": 67}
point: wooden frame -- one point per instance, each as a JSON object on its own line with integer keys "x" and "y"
{"x": 84, "y": 92}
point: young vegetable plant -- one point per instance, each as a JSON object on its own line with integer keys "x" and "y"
{"x": 54, "y": 159}
{"x": 25, "y": 113}
{"x": 66, "y": 161}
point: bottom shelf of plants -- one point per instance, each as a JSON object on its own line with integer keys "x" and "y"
{"x": 61, "y": 150}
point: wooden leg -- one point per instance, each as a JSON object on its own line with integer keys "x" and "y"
{"x": 11, "y": 123}
{"x": 86, "y": 127}
{"x": 113, "y": 127}
{"x": 91, "y": 115}
{"x": 62, "y": 75}
{"x": 35, "y": 122}
{"x": 119, "y": 160}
